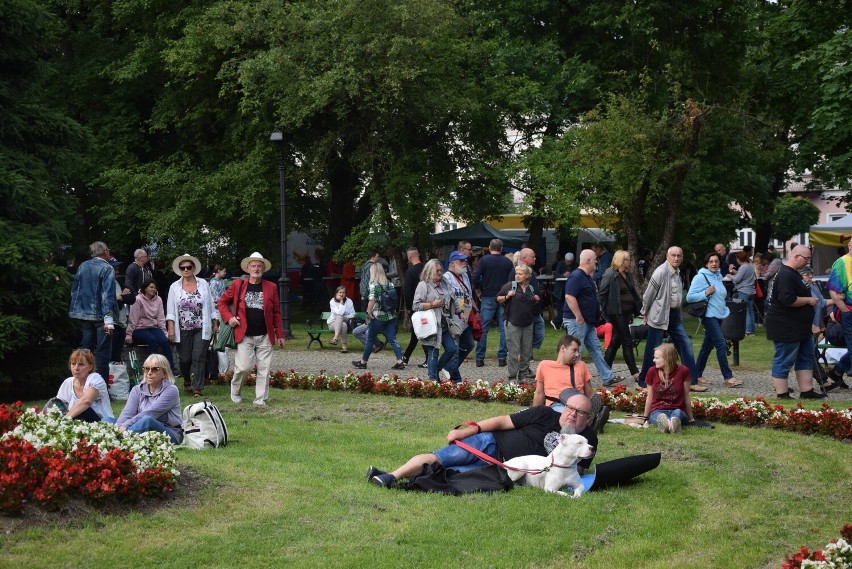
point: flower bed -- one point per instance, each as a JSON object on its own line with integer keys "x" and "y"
{"x": 49, "y": 459}
{"x": 745, "y": 411}
{"x": 835, "y": 555}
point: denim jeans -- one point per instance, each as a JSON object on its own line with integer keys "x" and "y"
{"x": 376, "y": 327}
{"x": 538, "y": 332}
{"x": 157, "y": 343}
{"x": 588, "y": 337}
{"x": 147, "y": 423}
{"x": 749, "y": 298}
{"x": 435, "y": 363}
{"x": 669, "y": 413}
{"x": 713, "y": 338}
{"x": 99, "y": 342}
{"x": 460, "y": 460}
{"x": 790, "y": 354}
{"x": 465, "y": 344}
{"x": 488, "y": 308}
{"x": 681, "y": 342}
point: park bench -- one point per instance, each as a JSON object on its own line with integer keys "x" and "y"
{"x": 317, "y": 329}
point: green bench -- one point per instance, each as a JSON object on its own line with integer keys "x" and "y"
{"x": 318, "y": 328}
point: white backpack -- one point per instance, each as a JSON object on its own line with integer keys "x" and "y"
{"x": 203, "y": 426}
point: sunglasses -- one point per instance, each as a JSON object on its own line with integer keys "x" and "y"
{"x": 152, "y": 369}
{"x": 187, "y": 268}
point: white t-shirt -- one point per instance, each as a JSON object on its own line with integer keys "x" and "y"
{"x": 100, "y": 405}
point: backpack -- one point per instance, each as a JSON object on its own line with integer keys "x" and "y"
{"x": 435, "y": 478}
{"x": 203, "y": 426}
{"x": 389, "y": 300}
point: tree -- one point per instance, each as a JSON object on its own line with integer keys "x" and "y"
{"x": 792, "y": 216}
{"x": 37, "y": 144}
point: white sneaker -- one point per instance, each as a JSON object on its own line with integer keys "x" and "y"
{"x": 675, "y": 426}
{"x": 663, "y": 423}
{"x": 444, "y": 374}
{"x": 260, "y": 402}
{"x": 236, "y": 398}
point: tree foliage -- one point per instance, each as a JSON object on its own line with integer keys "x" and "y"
{"x": 792, "y": 216}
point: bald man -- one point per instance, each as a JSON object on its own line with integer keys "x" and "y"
{"x": 661, "y": 311}
{"x": 789, "y": 315}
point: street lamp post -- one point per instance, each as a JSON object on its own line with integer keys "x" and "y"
{"x": 277, "y": 137}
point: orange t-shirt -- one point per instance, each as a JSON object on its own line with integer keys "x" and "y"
{"x": 556, "y": 377}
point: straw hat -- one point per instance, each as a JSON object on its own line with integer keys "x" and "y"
{"x": 255, "y": 257}
{"x": 186, "y": 257}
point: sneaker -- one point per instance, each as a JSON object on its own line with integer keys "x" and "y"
{"x": 811, "y": 395}
{"x": 675, "y": 426}
{"x": 501, "y": 363}
{"x": 386, "y": 480}
{"x": 842, "y": 384}
{"x": 359, "y": 364}
{"x": 698, "y": 387}
{"x": 405, "y": 361}
{"x": 602, "y": 418}
{"x": 783, "y": 396}
{"x": 236, "y": 398}
{"x": 424, "y": 365}
{"x": 480, "y": 363}
{"x": 610, "y": 383}
{"x": 663, "y": 425}
{"x": 444, "y": 374}
{"x": 259, "y": 402}
{"x": 373, "y": 471}
{"x": 397, "y": 365}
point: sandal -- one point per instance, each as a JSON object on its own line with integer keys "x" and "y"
{"x": 196, "y": 393}
{"x": 702, "y": 381}
{"x": 343, "y": 349}
{"x": 733, "y": 382}
{"x": 333, "y": 341}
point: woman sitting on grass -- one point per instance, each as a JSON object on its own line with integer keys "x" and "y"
{"x": 154, "y": 404}
{"x": 85, "y": 393}
{"x": 668, "y": 403}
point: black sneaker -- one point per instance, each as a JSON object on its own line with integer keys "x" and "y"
{"x": 424, "y": 365}
{"x": 398, "y": 365}
{"x": 501, "y": 363}
{"x": 373, "y": 471}
{"x": 811, "y": 395}
{"x": 385, "y": 480}
{"x": 842, "y": 384}
{"x": 480, "y": 363}
{"x": 359, "y": 364}
{"x": 783, "y": 396}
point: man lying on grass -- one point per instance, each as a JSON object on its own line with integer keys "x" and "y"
{"x": 532, "y": 431}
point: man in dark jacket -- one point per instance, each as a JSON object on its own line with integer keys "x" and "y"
{"x": 493, "y": 271}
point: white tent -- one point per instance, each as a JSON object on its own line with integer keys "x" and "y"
{"x": 826, "y": 239}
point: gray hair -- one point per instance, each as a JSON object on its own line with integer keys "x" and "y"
{"x": 159, "y": 360}
{"x": 430, "y": 269}
{"x": 139, "y": 252}
{"x": 98, "y": 248}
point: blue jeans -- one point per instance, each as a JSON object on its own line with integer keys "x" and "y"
{"x": 157, "y": 343}
{"x": 99, "y": 342}
{"x": 681, "y": 342}
{"x": 456, "y": 458}
{"x": 589, "y": 338}
{"x": 488, "y": 308}
{"x": 713, "y": 338}
{"x": 465, "y": 343}
{"x": 538, "y": 331}
{"x": 790, "y": 354}
{"x": 669, "y": 413}
{"x": 749, "y": 298}
{"x": 376, "y": 327}
{"x": 435, "y": 363}
{"x": 148, "y": 423}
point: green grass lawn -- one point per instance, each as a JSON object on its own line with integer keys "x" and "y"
{"x": 289, "y": 491}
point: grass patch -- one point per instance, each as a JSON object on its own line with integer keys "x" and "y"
{"x": 290, "y": 491}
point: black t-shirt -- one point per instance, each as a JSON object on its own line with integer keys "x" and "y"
{"x": 409, "y": 283}
{"x": 784, "y": 323}
{"x": 256, "y": 325}
{"x": 537, "y": 432}
{"x": 520, "y": 309}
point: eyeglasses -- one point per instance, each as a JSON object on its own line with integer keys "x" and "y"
{"x": 152, "y": 369}
{"x": 187, "y": 268}
{"x": 578, "y": 411}
{"x": 803, "y": 257}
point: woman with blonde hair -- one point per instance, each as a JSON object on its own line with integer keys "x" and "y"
{"x": 154, "y": 404}
{"x": 620, "y": 302}
{"x": 379, "y": 319}
{"x": 85, "y": 394}
{"x": 667, "y": 403}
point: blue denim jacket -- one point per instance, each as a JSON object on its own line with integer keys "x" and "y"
{"x": 93, "y": 292}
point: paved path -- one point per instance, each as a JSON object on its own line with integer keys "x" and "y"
{"x": 332, "y": 361}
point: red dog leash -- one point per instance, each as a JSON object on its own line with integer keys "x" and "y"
{"x": 486, "y": 458}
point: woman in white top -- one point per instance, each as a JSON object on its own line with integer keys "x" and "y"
{"x": 85, "y": 393}
{"x": 342, "y": 310}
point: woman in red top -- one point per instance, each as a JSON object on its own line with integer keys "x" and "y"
{"x": 668, "y": 404}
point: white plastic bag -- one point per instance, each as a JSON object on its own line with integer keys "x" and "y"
{"x": 118, "y": 382}
{"x": 424, "y": 323}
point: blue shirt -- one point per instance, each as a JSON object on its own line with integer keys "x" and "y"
{"x": 582, "y": 287}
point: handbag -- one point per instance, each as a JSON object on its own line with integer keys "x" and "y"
{"x": 454, "y": 327}
{"x": 475, "y": 323}
{"x": 118, "y": 383}
{"x": 225, "y": 337}
{"x": 698, "y": 309}
{"x": 424, "y": 324}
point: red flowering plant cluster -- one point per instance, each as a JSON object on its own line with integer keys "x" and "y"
{"x": 47, "y": 459}
{"x": 835, "y": 555}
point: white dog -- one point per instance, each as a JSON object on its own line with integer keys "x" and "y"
{"x": 561, "y": 465}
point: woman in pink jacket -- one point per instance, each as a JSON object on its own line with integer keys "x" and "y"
{"x": 147, "y": 322}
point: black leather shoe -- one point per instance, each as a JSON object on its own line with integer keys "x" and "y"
{"x": 501, "y": 363}
{"x": 359, "y": 364}
{"x": 811, "y": 395}
{"x": 480, "y": 363}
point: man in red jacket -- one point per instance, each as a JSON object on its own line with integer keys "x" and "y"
{"x": 257, "y": 325}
